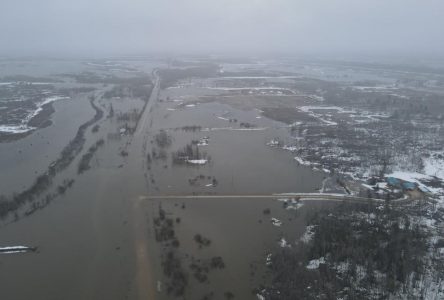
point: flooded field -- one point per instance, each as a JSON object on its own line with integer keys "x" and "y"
{"x": 23, "y": 159}
{"x": 97, "y": 238}
{"x": 228, "y": 149}
{"x": 219, "y": 246}
{"x": 158, "y": 183}
{"x": 238, "y": 232}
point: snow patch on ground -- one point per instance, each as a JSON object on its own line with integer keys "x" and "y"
{"x": 283, "y": 243}
{"x": 434, "y": 166}
{"x": 234, "y": 129}
{"x": 290, "y": 148}
{"x": 308, "y": 234}
{"x": 276, "y": 222}
{"x": 23, "y": 127}
{"x": 302, "y": 162}
{"x": 291, "y": 203}
{"x": 268, "y": 261}
{"x": 15, "y": 129}
{"x": 197, "y": 161}
{"x": 408, "y": 176}
{"x": 314, "y": 263}
{"x": 273, "y": 143}
{"x": 203, "y": 141}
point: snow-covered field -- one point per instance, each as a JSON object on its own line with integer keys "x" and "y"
{"x": 23, "y": 126}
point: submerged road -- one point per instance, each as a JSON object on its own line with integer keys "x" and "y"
{"x": 144, "y": 119}
{"x": 145, "y": 279}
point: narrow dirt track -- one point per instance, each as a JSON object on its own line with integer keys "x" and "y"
{"x": 299, "y": 196}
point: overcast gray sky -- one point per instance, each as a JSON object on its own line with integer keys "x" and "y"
{"x": 139, "y": 26}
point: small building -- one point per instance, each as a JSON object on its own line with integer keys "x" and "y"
{"x": 424, "y": 189}
{"x": 409, "y": 186}
{"x": 394, "y": 182}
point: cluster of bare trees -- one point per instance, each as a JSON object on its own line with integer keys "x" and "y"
{"x": 366, "y": 252}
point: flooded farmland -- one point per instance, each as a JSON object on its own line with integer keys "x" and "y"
{"x": 93, "y": 227}
{"x": 221, "y": 150}
{"x": 149, "y": 182}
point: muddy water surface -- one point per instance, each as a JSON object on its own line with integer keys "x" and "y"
{"x": 97, "y": 241}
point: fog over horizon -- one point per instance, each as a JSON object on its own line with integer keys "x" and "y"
{"x": 121, "y": 27}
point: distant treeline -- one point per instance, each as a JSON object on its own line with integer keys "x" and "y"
{"x": 95, "y": 78}
{"x": 170, "y": 77}
{"x": 27, "y": 78}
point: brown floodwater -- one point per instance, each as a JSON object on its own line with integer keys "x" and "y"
{"x": 240, "y": 233}
{"x": 240, "y": 159}
{"x": 97, "y": 240}
{"x": 23, "y": 159}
